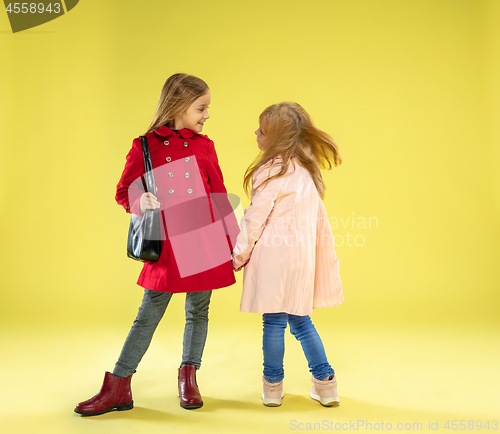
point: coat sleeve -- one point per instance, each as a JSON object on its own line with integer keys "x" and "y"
{"x": 130, "y": 187}
{"x": 220, "y": 197}
{"x": 256, "y": 214}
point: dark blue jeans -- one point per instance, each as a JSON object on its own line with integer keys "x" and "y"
{"x": 273, "y": 345}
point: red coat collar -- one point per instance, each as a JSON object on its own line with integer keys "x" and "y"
{"x": 164, "y": 131}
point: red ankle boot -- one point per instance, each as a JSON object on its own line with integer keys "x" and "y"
{"x": 115, "y": 394}
{"x": 188, "y": 389}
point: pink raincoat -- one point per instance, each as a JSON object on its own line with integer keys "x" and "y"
{"x": 287, "y": 245}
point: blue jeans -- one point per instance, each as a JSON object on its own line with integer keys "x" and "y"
{"x": 273, "y": 345}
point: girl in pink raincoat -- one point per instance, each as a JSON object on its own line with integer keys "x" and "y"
{"x": 287, "y": 247}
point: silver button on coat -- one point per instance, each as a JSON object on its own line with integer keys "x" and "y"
{"x": 186, "y": 159}
{"x": 168, "y": 159}
{"x": 171, "y": 191}
{"x": 187, "y": 175}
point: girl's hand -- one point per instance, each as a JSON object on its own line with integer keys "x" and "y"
{"x": 237, "y": 268}
{"x": 148, "y": 201}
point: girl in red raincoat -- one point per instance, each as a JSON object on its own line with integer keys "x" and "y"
{"x": 198, "y": 231}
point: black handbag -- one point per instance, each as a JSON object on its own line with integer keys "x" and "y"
{"x": 144, "y": 234}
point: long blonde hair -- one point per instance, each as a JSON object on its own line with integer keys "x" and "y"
{"x": 290, "y": 132}
{"x": 178, "y": 93}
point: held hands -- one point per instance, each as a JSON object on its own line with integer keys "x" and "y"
{"x": 149, "y": 201}
{"x": 236, "y": 268}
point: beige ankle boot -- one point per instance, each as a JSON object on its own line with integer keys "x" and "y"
{"x": 325, "y": 391}
{"x": 272, "y": 394}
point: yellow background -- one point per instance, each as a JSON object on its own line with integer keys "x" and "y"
{"x": 409, "y": 91}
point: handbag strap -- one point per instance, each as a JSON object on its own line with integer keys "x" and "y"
{"x": 148, "y": 165}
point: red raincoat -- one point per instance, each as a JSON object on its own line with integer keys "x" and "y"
{"x": 198, "y": 226}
